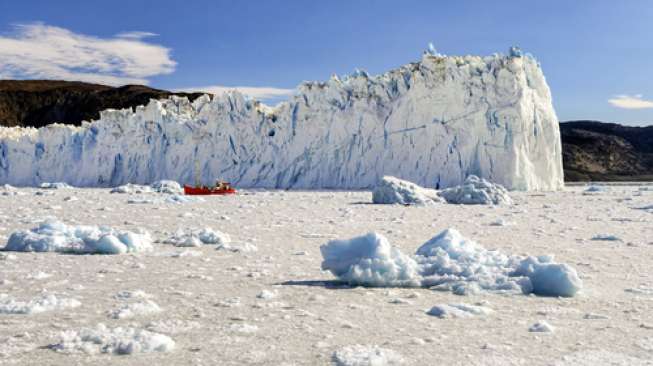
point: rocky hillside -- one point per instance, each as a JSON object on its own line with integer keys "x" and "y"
{"x": 606, "y": 151}
{"x": 40, "y": 102}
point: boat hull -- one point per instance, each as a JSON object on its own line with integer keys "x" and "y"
{"x": 201, "y": 191}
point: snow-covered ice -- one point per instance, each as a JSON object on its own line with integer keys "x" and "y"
{"x": 447, "y": 261}
{"x": 212, "y": 299}
{"x": 476, "y": 191}
{"x": 55, "y": 236}
{"x": 135, "y": 309}
{"x": 391, "y": 190}
{"x": 102, "y": 339}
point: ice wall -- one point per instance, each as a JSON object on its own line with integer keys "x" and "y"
{"x": 432, "y": 122}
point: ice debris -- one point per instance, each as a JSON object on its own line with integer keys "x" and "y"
{"x": 458, "y": 311}
{"x": 476, "y": 191}
{"x": 359, "y": 355}
{"x": 195, "y": 237}
{"x": 130, "y": 310}
{"x": 391, "y": 190}
{"x": 56, "y": 185}
{"x": 167, "y": 186}
{"x": 55, "y": 236}
{"x": 448, "y": 262}
{"x": 41, "y": 304}
{"x": 119, "y": 340}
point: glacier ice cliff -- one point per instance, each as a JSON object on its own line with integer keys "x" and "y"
{"x": 432, "y": 122}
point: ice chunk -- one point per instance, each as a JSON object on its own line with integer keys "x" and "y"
{"x": 167, "y": 186}
{"x": 549, "y": 279}
{"x": 448, "y": 262}
{"x": 476, "y": 191}
{"x": 41, "y": 304}
{"x": 56, "y": 185}
{"x": 391, "y": 190}
{"x": 458, "y": 311}
{"x": 119, "y": 340}
{"x": 195, "y": 237}
{"x": 130, "y": 310}
{"x": 369, "y": 260}
{"x": 131, "y": 188}
{"x": 359, "y": 355}
{"x": 55, "y": 236}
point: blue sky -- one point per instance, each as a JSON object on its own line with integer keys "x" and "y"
{"x": 596, "y": 55}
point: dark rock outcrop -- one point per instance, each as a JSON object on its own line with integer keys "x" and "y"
{"x": 597, "y": 151}
{"x": 37, "y": 103}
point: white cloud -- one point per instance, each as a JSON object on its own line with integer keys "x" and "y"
{"x": 631, "y": 102}
{"x": 259, "y": 93}
{"x": 39, "y": 51}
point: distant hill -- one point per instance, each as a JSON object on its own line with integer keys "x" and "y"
{"x": 601, "y": 151}
{"x": 37, "y": 103}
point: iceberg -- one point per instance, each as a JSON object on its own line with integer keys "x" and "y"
{"x": 55, "y": 236}
{"x": 448, "y": 262}
{"x": 433, "y": 122}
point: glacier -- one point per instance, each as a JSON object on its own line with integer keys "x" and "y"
{"x": 432, "y": 122}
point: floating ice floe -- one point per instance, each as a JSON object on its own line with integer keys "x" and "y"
{"x": 391, "y": 190}
{"x": 41, "y": 304}
{"x": 195, "y": 237}
{"x": 114, "y": 341}
{"x": 476, "y": 191}
{"x": 595, "y": 189}
{"x": 447, "y": 262}
{"x": 55, "y": 185}
{"x": 55, "y": 236}
{"x": 458, "y": 311}
{"x": 359, "y": 355}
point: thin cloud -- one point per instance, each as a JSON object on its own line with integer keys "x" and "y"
{"x": 40, "y": 51}
{"x": 259, "y": 93}
{"x": 631, "y": 102}
{"x": 136, "y": 35}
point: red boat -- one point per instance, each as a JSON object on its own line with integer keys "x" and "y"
{"x": 221, "y": 188}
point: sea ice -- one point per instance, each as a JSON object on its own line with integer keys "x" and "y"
{"x": 476, "y": 191}
{"x": 391, "y": 190}
{"x": 359, "y": 355}
{"x": 113, "y": 340}
{"x": 449, "y": 262}
{"x": 55, "y": 236}
{"x": 43, "y": 303}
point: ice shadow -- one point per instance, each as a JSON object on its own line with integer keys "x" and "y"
{"x": 328, "y": 284}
